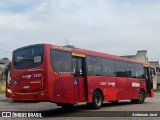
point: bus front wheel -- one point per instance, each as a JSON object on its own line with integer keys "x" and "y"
{"x": 97, "y": 100}
{"x": 141, "y": 98}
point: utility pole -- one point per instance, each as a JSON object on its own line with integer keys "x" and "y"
{"x": 66, "y": 42}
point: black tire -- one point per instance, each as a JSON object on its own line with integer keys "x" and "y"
{"x": 141, "y": 99}
{"x": 97, "y": 100}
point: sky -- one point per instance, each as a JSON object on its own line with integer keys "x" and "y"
{"x": 119, "y": 27}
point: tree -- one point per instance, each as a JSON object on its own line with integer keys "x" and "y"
{"x": 5, "y": 58}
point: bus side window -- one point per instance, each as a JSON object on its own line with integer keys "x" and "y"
{"x": 107, "y": 67}
{"x": 119, "y": 68}
{"x": 74, "y": 66}
{"x": 139, "y": 70}
{"x": 61, "y": 61}
{"x": 94, "y": 65}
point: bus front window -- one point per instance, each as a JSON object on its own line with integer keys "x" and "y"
{"x": 29, "y": 57}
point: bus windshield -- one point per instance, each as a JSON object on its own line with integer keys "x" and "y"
{"x": 28, "y": 57}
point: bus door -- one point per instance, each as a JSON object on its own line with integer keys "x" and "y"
{"x": 8, "y": 81}
{"x": 79, "y": 69}
{"x": 149, "y": 81}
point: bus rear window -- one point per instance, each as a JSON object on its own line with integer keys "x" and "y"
{"x": 28, "y": 57}
{"x": 61, "y": 61}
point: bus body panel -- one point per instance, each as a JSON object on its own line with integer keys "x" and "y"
{"x": 29, "y": 81}
{"x": 81, "y": 90}
{"x": 30, "y": 84}
{"x": 64, "y": 88}
{"x": 50, "y": 82}
{"x": 114, "y": 88}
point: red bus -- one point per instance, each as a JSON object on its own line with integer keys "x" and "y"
{"x": 72, "y": 76}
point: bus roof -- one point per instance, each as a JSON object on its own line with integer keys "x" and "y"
{"x": 99, "y": 54}
{"x": 88, "y": 52}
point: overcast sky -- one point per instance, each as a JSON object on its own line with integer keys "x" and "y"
{"x": 119, "y": 27}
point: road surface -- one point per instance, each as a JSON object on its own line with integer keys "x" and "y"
{"x": 51, "y": 111}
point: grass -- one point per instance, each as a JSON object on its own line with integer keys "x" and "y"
{"x": 2, "y": 92}
{"x": 2, "y": 86}
{"x": 157, "y": 90}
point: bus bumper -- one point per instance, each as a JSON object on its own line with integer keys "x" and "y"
{"x": 38, "y": 96}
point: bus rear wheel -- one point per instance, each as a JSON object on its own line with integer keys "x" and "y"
{"x": 97, "y": 100}
{"x": 141, "y": 98}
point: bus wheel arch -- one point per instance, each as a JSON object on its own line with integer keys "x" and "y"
{"x": 97, "y": 99}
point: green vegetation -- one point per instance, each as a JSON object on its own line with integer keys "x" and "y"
{"x": 2, "y": 92}
{"x": 157, "y": 90}
{"x": 2, "y": 86}
{"x": 5, "y": 58}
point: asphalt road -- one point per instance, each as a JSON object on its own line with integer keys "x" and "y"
{"x": 51, "y": 111}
